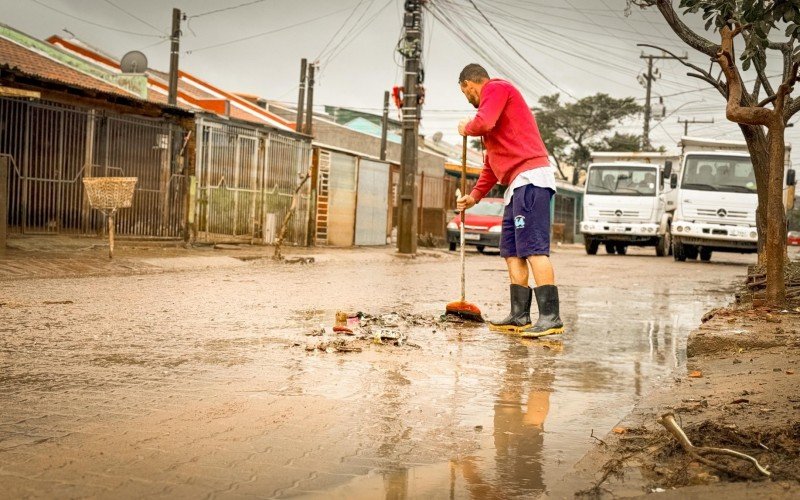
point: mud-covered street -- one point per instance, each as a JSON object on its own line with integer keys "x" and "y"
{"x": 182, "y": 381}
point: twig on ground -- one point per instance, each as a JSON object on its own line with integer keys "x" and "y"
{"x": 597, "y": 438}
{"x": 698, "y": 452}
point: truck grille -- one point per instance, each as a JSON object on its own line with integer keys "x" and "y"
{"x": 715, "y": 213}
{"x": 624, "y": 213}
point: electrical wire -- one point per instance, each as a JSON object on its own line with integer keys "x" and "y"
{"x": 224, "y": 9}
{"x": 264, "y": 33}
{"x": 341, "y": 27}
{"x": 129, "y": 14}
{"x": 500, "y": 34}
{"x": 103, "y": 26}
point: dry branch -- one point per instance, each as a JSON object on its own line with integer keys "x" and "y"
{"x": 288, "y": 217}
{"x": 698, "y": 452}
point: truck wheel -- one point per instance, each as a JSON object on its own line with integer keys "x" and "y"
{"x": 691, "y": 251}
{"x": 622, "y": 249}
{"x": 678, "y": 251}
{"x": 610, "y": 248}
{"x": 591, "y": 246}
{"x": 705, "y": 254}
{"x": 663, "y": 245}
{"x": 480, "y": 248}
{"x": 452, "y": 247}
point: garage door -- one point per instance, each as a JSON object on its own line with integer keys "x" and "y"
{"x": 373, "y": 203}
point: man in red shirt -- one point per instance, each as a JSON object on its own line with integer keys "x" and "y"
{"x": 517, "y": 158}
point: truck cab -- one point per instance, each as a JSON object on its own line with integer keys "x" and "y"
{"x": 716, "y": 200}
{"x": 627, "y": 203}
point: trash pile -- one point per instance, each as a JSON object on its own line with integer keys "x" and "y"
{"x": 353, "y": 332}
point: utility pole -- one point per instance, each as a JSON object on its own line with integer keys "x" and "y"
{"x": 175, "y": 37}
{"x": 302, "y": 97}
{"x": 384, "y": 125}
{"x": 649, "y": 78}
{"x": 411, "y": 49}
{"x": 693, "y": 120}
{"x": 309, "y": 129}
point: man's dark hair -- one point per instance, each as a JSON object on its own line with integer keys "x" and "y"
{"x": 473, "y": 73}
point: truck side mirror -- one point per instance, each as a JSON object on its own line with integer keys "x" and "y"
{"x": 667, "y": 169}
{"x": 673, "y": 181}
{"x": 791, "y": 177}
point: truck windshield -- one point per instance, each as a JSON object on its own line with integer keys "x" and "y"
{"x": 622, "y": 181}
{"x": 733, "y": 174}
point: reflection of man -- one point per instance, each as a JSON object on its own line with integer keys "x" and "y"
{"x": 515, "y": 157}
{"x": 518, "y": 430}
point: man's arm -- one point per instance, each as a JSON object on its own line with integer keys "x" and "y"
{"x": 486, "y": 181}
{"x": 493, "y": 101}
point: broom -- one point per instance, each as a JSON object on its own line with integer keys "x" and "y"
{"x": 463, "y": 309}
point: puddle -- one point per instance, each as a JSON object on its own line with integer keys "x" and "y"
{"x": 519, "y": 412}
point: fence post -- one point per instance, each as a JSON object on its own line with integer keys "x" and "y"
{"x": 421, "y": 217}
{"x": 3, "y": 202}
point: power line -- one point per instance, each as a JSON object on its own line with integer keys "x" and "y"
{"x": 109, "y": 2}
{"x": 554, "y": 84}
{"x": 215, "y": 11}
{"x": 352, "y": 13}
{"x": 103, "y": 26}
{"x": 257, "y": 35}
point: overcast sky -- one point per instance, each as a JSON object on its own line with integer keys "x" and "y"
{"x": 581, "y": 46}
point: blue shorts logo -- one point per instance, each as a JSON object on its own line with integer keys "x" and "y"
{"x": 519, "y": 221}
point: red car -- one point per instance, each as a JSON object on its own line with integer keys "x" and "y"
{"x": 793, "y": 238}
{"x": 482, "y": 228}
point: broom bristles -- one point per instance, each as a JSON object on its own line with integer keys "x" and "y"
{"x": 464, "y": 310}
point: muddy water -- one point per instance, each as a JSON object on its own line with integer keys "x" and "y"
{"x": 198, "y": 383}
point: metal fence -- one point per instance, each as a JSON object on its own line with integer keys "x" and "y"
{"x": 51, "y": 147}
{"x": 246, "y": 178}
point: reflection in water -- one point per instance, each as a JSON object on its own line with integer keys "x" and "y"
{"x": 520, "y": 410}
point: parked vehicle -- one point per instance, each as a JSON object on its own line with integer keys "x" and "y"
{"x": 482, "y": 225}
{"x": 716, "y": 199}
{"x": 627, "y": 202}
{"x": 793, "y": 238}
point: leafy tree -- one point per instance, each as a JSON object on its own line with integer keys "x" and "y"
{"x": 620, "y": 142}
{"x": 578, "y": 124}
{"x": 762, "y": 119}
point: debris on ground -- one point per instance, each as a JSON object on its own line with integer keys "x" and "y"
{"x": 356, "y": 331}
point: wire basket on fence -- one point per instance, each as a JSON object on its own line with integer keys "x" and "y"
{"x": 110, "y": 193}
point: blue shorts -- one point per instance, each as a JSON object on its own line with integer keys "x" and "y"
{"x": 526, "y": 223}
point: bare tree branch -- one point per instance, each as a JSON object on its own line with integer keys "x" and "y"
{"x": 701, "y": 73}
{"x": 685, "y": 33}
{"x": 734, "y": 111}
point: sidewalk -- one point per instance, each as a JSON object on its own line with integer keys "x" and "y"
{"x": 30, "y": 257}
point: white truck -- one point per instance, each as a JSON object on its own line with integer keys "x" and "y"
{"x": 716, "y": 199}
{"x": 628, "y": 201}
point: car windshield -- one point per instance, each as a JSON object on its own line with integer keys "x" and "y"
{"x": 484, "y": 208}
{"x": 733, "y": 174}
{"x": 622, "y": 181}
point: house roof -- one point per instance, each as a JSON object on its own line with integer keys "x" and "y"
{"x": 193, "y": 92}
{"x": 29, "y": 62}
{"x": 367, "y": 127}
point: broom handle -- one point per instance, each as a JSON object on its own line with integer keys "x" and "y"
{"x": 463, "y": 220}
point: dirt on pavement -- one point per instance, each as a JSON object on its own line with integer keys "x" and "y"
{"x": 740, "y": 391}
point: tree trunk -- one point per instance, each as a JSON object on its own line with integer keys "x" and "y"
{"x": 775, "y": 247}
{"x": 758, "y": 147}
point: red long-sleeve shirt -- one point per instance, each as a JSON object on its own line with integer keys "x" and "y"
{"x": 510, "y": 134}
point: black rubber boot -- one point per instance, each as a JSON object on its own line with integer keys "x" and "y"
{"x": 520, "y": 317}
{"x": 549, "y": 322}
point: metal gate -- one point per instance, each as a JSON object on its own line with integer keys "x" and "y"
{"x": 246, "y": 178}
{"x": 372, "y": 207}
{"x": 51, "y": 147}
